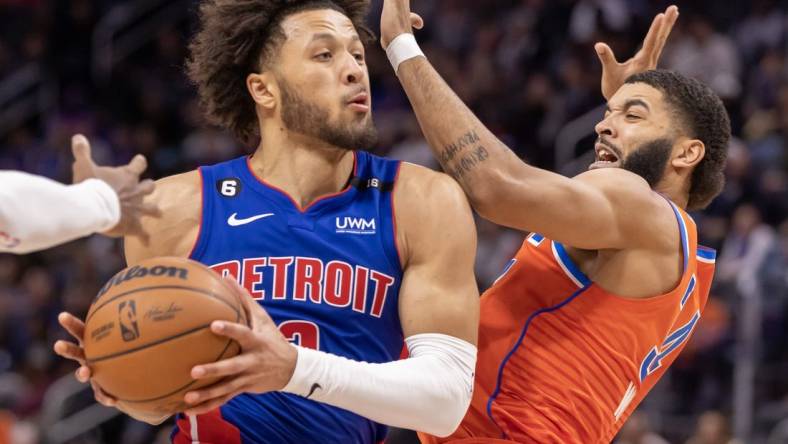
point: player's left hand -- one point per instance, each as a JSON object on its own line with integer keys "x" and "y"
{"x": 266, "y": 362}
{"x": 397, "y": 19}
{"x": 614, "y": 74}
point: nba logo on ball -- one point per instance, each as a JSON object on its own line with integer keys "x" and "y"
{"x": 127, "y": 312}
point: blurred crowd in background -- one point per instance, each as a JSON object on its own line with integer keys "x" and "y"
{"x": 113, "y": 70}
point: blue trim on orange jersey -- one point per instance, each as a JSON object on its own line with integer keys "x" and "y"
{"x": 707, "y": 253}
{"x": 690, "y": 288}
{"x": 517, "y": 345}
{"x": 573, "y": 269}
{"x": 506, "y": 269}
{"x": 683, "y": 233}
{"x": 535, "y": 239}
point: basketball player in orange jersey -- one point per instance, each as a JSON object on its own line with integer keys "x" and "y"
{"x": 611, "y": 282}
{"x": 350, "y": 254}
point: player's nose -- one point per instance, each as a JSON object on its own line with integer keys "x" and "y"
{"x": 352, "y": 70}
{"x": 605, "y": 128}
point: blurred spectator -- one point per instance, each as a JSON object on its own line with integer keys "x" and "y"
{"x": 712, "y": 428}
{"x": 697, "y": 47}
{"x": 637, "y": 430}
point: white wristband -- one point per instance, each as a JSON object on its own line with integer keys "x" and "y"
{"x": 403, "y": 47}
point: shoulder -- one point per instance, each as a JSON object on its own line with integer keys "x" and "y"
{"x": 637, "y": 208}
{"x": 418, "y": 184}
{"x": 185, "y": 185}
{"x": 179, "y": 197}
{"x": 431, "y": 209}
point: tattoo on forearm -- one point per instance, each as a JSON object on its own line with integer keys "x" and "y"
{"x": 465, "y": 154}
{"x": 468, "y": 162}
{"x": 453, "y": 149}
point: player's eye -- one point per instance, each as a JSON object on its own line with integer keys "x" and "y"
{"x": 323, "y": 56}
{"x": 359, "y": 57}
{"x": 633, "y": 117}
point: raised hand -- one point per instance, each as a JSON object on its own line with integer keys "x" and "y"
{"x": 125, "y": 180}
{"x": 266, "y": 362}
{"x": 614, "y": 73}
{"x": 397, "y": 19}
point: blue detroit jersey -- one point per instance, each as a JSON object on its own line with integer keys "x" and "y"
{"x": 329, "y": 276}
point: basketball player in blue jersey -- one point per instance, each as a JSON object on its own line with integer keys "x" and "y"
{"x": 349, "y": 254}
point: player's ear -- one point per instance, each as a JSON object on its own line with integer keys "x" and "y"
{"x": 263, "y": 89}
{"x": 688, "y": 153}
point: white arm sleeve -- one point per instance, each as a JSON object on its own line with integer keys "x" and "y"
{"x": 429, "y": 392}
{"x": 38, "y": 213}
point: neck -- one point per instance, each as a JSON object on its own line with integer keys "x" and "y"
{"x": 304, "y": 167}
{"x": 676, "y": 191}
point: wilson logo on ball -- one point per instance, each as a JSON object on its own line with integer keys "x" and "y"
{"x": 137, "y": 272}
{"x": 127, "y": 313}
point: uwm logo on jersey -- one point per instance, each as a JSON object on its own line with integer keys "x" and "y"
{"x": 335, "y": 283}
{"x": 355, "y": 225}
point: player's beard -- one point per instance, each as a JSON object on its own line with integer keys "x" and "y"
{"x": 649, "y": 160}
{"x": 302, "y": 116}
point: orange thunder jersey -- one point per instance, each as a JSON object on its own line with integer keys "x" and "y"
{"x": 563, "y": 361}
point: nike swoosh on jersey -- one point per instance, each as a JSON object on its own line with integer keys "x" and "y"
{"x": 233, "y": 222}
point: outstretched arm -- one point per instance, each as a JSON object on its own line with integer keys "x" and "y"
{"x": 38, "y": 213}
{"x": 500, "y": 186}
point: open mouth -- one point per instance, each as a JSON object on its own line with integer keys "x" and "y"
{"x": 605, "y": 156}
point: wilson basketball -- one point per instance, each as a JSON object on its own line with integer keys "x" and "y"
{"x": 150, "y": 324}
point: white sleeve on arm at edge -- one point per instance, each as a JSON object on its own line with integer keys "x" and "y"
{"x": 38, "y": 213}
{"x": 429, "y": 392}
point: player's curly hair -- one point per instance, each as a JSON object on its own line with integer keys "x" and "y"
{"x": 238, "y": 37}
{"x": 701, "y": 115}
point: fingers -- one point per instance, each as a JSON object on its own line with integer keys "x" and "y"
{"x": 69, "y": 350}
{"x": 671, "y": 15}
{"x": 146, "y": 186}
{"x": 73, "y": 325}
{"x": 150, "y": 209}
{"x": 137, "y": 165}
{"x": 605, "y": 54}
{"x": 101, "y": 396}
{"x": 225, "y": 367}
{"x": 254, "y": 312}
{"x": 650, "y": 42}
{"x": 80, "y": 147}
{"x": 240, "y": 333}
{"x": 416, "y": 21}
{"x": 83, "y": 374}
{"x": 226, "y": 387}
{"x": 243, "y": 297}
{"x": 212, "y": 404}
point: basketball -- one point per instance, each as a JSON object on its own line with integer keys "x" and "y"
{"x": 150, "y": 324}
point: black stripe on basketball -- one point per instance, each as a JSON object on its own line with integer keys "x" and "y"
{"x": 165, "y": 287}
{"x": 184, "y": 387}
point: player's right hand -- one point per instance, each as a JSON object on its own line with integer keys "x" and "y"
{"x": 125, "y": 180}
{"x": 74, "y": 351}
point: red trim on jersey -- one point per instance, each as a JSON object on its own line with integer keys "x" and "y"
{"x": 311, "y": 204}
{"x": 394, "y": 214}
{"x": 211, "y": 428}
{"x": 202, "y": 207}
{"x": 180, "y": 436}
